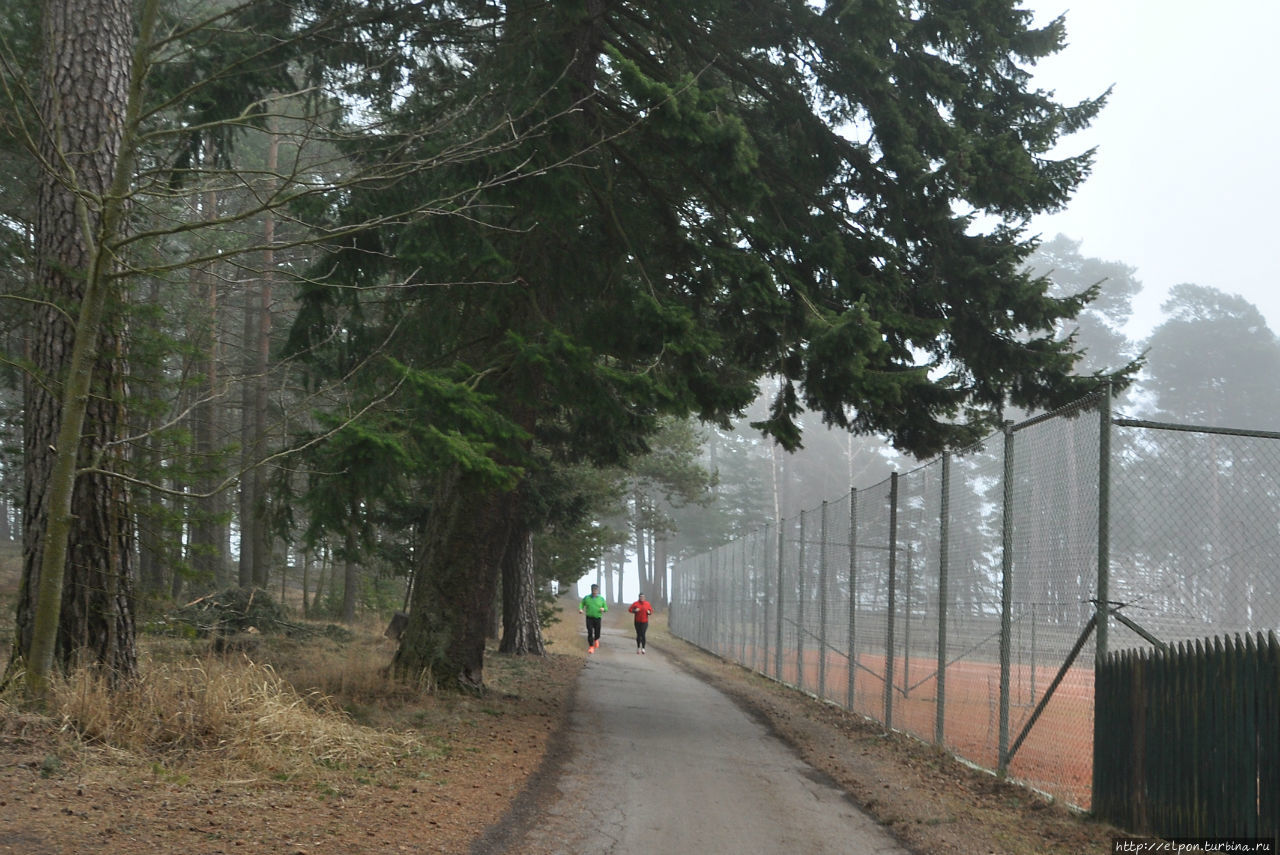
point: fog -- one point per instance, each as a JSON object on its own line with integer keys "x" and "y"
{"x": 1183, "y": 184}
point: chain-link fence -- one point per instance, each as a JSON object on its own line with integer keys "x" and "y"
{"x": 958, "y": 602}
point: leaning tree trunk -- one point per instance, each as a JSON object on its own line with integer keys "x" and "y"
{"x": 75, "y": 602}
{"x": 455, "y": 582}
{"x": 521, "y": 628}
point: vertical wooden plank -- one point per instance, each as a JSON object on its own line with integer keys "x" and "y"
{"x": 1183, "y": 786}
{"x": 1104, "y": 703}
{"x": 1168, "y": 710}
{"x": 1104, "y": 734}
{"x": 1141, "y": 777}
{"x": 1203, "y": 741}
{"x": 1215, "y": 827}
{"x": 1232, "y": 780}
{"x": 1247, "y": 738}
{"x": 1150, "y": 802}
{"x": 1190, "y": 799}
{"x": 1269, "y": 736}
{"x": 1226, "y": 801}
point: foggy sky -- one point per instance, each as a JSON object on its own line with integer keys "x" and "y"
{"x": 1184, "y": 185}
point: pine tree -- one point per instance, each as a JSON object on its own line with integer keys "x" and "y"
{"x": 697, "y": 197}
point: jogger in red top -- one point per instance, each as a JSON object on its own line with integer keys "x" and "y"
{"x": 641, "y": 608}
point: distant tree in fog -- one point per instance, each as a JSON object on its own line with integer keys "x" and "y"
{"x": 1198, "y": 518}
{"x": 1214, "y": 361}
{"x": 1099, "y": 326}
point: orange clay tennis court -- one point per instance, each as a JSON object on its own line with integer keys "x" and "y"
{"x": 1056, "y": 756}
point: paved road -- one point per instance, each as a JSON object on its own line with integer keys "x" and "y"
{"x": 662, "y": 763}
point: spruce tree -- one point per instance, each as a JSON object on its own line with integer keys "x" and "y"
{"x": 692, "y": 198}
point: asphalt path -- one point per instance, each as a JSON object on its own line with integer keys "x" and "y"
{"x": 658, "y": 761}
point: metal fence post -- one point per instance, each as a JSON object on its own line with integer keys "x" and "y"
{"x": 908, "y": 588}
{"x": 853, "y": 592}
{"x": 777, "y": 651}
{"x": 801, "y": 594}
{"x": 1104, "y": 576}
{"x": 944, "y": 531}
{"x": 893, "y": 604}
{"x": 1006, "y": 598}
{"x": 767, "y": 599}
{"x": 1104, "y": 524}
{"x": 822, "y": 604}
{"x": 711, "y": 614}
{"x": 744, "y": 619}
{"x": 731, "y": 612}
{"x": 754, "y": 594}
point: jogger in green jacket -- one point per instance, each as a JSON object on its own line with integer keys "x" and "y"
{"x": 593, "y": 606}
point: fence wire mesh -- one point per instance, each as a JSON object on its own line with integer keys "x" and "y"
{"x": 956, "y": 602}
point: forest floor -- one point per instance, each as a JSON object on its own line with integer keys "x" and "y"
{"x": 460, "y": 765}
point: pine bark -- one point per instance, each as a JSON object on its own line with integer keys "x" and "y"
{"x": 521, "y": 628}
{"x": 455, "y": 583}
{"x": 77, "y": 536}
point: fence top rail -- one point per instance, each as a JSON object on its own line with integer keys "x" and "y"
{"x": 1143, "y": 423}
{"x": 1079, "y": 406}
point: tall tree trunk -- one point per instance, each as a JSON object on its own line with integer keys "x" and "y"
{"x": 621, "y": 569}
{"x": 176, "y": 506}
{"x": 262, "y": 531}
{"x": 454, "y": 584}
{"x": 647, "y": 577}
{"x": 320, "y": 577}
{"x": 608, "y": 578}
{"x": 661, "y": 593}
{"x": 208, "y": 542}
{"x": 149, "y": 505}
{"x": 248, "y": 503}
{"x": 350, "y": 576}
{"x": 153, "y": 569}
{"x": 306, "y": 581}
{"x": 641, "y": 552}
{"x": 76, "y": 599}
{"x": 521, "y": 627}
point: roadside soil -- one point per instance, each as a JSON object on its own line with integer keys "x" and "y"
{"x": 484, "y": 759}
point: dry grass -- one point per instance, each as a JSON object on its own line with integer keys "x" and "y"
{"x": 287, "y": 709}
{"x": 294, "y": 745}
{"x": 238, "y": 714}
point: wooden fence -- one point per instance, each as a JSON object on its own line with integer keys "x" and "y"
{"x": 1187, "y": 739}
